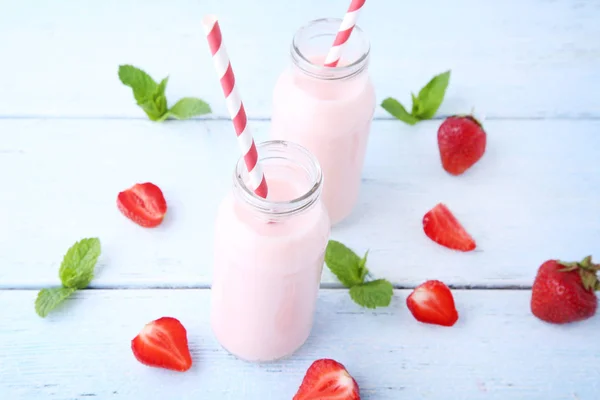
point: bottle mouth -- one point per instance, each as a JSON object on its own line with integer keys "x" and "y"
{"x": 313, "y": 41}
{"x": 274, "y": 154}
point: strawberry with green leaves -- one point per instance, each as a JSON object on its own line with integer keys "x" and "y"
{"x": 564, "y": 292}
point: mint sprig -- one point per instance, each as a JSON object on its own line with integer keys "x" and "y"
{"x": 150, "y": 96}
{"x": 76, "y": 272}
{"x": 425, "y": 105}
{"x": 351, "y": 271}
{"x": 188, "y": 107}
{"x": 377, "y": 293}
{"x": 48, "y": 299}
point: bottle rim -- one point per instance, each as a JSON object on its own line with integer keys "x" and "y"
{"x": 320, "y": 71}
{"x": 290, "y": 152}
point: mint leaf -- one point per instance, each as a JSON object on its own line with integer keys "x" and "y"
{"x": 77, "y": 268}
{"x": 351, "y": 271}
{"x": 140, "y": 82}
{"x": 48, "y": 299}
{"x": 160, "y": 100}
{"x": 431, "y": 96}
{"x": 155, "y": 109}
{"x": 425, "y": 105}
{"x": 397, "y": 110}
{"x": 76, "y": 272}
{"x": 344, "y": 263}
{"x": 415, "y": 104}
{"x": 362, "y": 267}
{"x": 189, "y": 107}
{"x": 150, "y": 96}
{"x": 155, "y": 106}
{"x": 152, "y": 109}
{"x": 162, "y": 86}
{"x": 377, "y": 293}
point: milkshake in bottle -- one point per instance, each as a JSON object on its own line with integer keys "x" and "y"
{"x": 269, "y": 255}
{"x": 328, "y": 110}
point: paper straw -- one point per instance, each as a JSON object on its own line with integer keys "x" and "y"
{"x": 234, "y": 105}
{"x": 348, "y": 23}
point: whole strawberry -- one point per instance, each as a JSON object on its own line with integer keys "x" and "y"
{"x": 461, "y": 141}
{"x": 563, "y": 292}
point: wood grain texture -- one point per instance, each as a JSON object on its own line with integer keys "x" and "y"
{"x": 532, "y": 197}
{"x": 71, "y": 138}
{"x": 513, "y": 58}
{"x": 496, "y": 351}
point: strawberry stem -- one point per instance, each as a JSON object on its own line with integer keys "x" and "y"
{"x": 587, "y": 271}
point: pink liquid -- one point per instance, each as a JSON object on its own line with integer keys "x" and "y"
{"x": 332, "y": 119}
{"x": 266, "y": 275}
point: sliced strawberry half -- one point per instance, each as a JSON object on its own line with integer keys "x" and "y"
{"x": 432, "y": 303}
{"x": 163, "y": 344}
{"x": 144, "y": 204}
{"x": 442, "y": 227}
{"x": 327, "y": 379}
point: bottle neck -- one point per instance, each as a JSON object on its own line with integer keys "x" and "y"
{"x": 312, "y": 42}
{"x": 293, "y": 176}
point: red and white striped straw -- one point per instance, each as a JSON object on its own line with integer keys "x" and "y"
{"x": 234, "y": 104}
{"x": 348, "y": 23}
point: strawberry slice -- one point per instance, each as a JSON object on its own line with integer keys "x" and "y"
{"x": 327, "y": 379}
{"x": 442, "y": 227}
{"x": 163, "y": 343}
{"x": 432, "y": 303}
{"x": 144, "y": 204}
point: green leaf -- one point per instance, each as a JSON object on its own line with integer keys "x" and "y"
{"x": 431, "y": 96}
{"x": 155, "y": 109}
{"x": 140, "y": 82}
{"x": 362, "y": 267}
{"x": 373, "y": 294}
{"x": 163, "y": 117}
{"x": 344, "y": 263}
{"x": 161, "y": 106}
{"x": 149, "y": 95}
{"x": 415, "y": 104}
{"x": 392, "y": 106}
{"x": 189, "y": 107}
{"x": 160, "y": 89}
{"x": 48, "y": 299}
{"x": 77, "y": 268}
{"x": 160, "y": 100}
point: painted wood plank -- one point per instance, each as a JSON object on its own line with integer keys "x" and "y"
{"x": 513, "y": 58}
{"x": 497, "y": 350}
{"x": 535, "y": 195}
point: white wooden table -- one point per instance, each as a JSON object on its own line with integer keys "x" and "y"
{"x": 71, "y": 137}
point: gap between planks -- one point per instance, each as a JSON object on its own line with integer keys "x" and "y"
{"x": 324, "y": 286}
{"x": 266, "y": 119}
